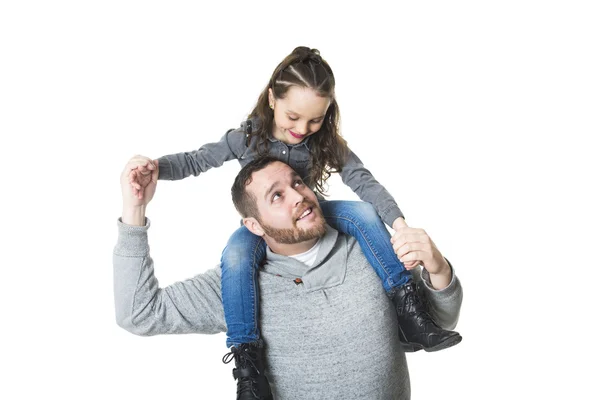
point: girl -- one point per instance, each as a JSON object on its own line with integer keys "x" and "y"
{"x": 296, "y": 119}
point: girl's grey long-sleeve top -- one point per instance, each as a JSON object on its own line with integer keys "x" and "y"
{"x": 233, "y": 146}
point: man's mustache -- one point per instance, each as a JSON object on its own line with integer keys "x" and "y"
{"x": 304, "y": 206}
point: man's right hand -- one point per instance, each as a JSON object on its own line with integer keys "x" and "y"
{"x": 138, "y": 184}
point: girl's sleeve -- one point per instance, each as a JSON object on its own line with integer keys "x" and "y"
{"x": 363, "y": 183}
{"x": 211, "y": 155}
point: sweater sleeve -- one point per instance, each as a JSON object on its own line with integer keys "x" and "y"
{"x": 363, "y": 183}
{"x": 144, "y": 308}
{"x": 211, "y": 155}
{"x": 444, "y": 304}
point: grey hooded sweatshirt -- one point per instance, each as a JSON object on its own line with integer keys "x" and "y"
{"x": 333, "y": 336}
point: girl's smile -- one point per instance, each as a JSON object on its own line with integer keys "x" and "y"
{"x": 298, "y": 115}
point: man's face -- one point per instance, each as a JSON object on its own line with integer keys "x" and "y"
{"x": 289, "y": 212}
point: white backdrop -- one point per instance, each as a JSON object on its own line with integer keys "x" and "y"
{"x": 479, "y": 118}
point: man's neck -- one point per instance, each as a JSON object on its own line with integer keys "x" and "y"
{"x": 291, "y": 249}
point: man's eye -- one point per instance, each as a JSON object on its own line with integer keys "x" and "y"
{"x": 298, "y": 183}
{"x": 276, "y": 196}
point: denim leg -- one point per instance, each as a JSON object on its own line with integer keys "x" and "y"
{"x": 240, "y": 261}
{"x": 359, "y": 219}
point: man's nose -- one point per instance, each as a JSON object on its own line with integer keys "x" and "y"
{"x": 297, "y": 198}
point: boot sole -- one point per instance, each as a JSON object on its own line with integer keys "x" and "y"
{"x": 412, "y": 347}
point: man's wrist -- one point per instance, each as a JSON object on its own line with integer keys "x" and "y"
{"x": 134, "y": 215}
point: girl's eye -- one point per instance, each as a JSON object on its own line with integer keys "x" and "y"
{"x": 293, "y": 119}
{"x": 316, "y": 122}
{"x": 298, "y": 183}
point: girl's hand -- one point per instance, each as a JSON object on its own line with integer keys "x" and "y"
{"x": 398, "y": 224}
{"x": 145, "y": 174}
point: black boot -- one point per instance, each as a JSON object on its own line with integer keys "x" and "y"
{"x": 416, "y": 328}
{"x": 252, "y": 384}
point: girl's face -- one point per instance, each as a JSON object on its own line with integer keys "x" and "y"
{"x": 300, "y": 114}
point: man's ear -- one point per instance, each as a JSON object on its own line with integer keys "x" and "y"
{"x": 253, "y": 226}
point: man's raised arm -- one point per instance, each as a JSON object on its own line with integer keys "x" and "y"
{"x": 141, "y": 306}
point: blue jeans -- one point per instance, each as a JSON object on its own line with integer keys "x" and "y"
{"x": 245, "y": 253}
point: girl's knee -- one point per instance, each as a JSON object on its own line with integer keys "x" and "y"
{"x": 364, "y": 211}
{"x": 366, "y": 208}
{"x": 234, "y": 258}
{"x": 243, "y": 252}
{"x": 241, "y": 235}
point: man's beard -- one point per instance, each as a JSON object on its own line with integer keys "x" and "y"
{"x": 298, "y": 235}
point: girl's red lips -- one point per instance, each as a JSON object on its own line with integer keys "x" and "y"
{"x": 296, "y": 135}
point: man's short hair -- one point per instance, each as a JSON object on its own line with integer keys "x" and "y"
{"x": 244, "y": 201}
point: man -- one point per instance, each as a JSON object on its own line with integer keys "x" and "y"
{"x": 330, "y": 328}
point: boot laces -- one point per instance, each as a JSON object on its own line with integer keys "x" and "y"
{"x": 415, "y": 302}
{"x": 243, "y": 360}
{"x": 242, "y": 357}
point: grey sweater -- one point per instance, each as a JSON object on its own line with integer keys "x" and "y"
{"x": 232, "y": 146}
{"x": 331, "y": 337}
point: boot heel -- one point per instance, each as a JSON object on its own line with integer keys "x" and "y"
{"x": 408, "y": 348}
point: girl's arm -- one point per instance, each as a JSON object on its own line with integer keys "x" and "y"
{"x": 211, "y": 155}
{"x": 363, "y": 183}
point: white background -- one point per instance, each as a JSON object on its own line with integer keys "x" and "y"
{"x": 481, "y": 118}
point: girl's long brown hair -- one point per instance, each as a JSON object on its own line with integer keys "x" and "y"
{"x": 305, "y": 68}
